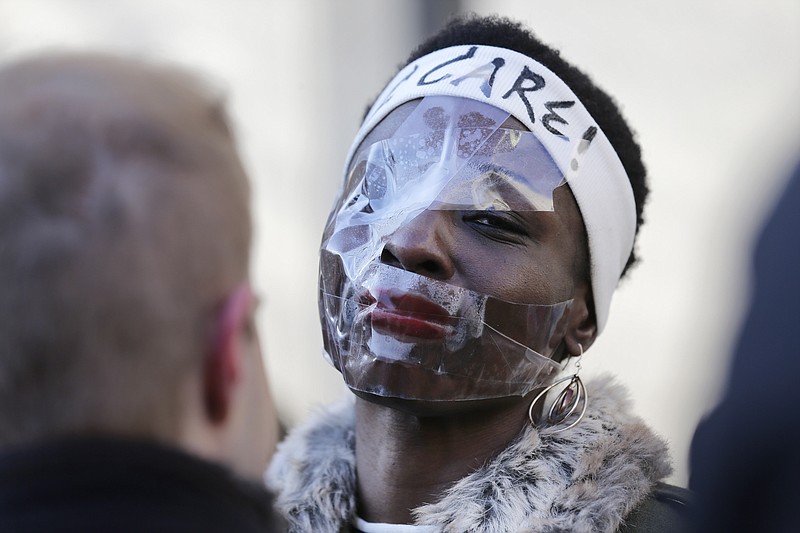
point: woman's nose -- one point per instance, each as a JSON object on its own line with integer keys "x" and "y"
{"x": 422, "y": 246}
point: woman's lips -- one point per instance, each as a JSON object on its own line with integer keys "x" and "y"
{"x": 409, "y": 317}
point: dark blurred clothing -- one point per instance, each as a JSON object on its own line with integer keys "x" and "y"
{"x": 745, "y": 458}
{"x": 105, "y": 485}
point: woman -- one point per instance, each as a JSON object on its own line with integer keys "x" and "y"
{"x": 490, "y": 206}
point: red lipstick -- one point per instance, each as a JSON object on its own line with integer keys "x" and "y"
{"x": 409, "y": 317}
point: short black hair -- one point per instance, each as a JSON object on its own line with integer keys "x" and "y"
{"x": 505, "y": 33}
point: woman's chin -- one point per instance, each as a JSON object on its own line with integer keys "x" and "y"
{"x": 436, "y": 408}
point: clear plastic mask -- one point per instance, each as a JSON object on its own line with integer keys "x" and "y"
{"x": 395, "y": 333}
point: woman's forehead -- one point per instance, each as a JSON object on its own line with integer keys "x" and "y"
{"x": 392, "y": 122}
{"x": 465, "y": 154}
{"x": 389, "y": 124}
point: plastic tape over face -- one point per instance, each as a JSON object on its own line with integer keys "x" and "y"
{"x": 395, "y": 333}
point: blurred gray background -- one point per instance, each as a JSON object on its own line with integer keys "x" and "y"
{"x": 711, "y": 87}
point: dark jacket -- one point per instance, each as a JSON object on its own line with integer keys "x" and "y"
{"x": 106, "y": 485}
{"x": 667, "y": 509}
{"x": 745, "y": 457}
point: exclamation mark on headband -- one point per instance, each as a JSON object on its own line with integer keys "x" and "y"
{"x": 583, "y": 145}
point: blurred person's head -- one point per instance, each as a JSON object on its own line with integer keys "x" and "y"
{"x": 125, "y": 230}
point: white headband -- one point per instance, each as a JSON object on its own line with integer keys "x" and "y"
{"x": 536, "y": 97}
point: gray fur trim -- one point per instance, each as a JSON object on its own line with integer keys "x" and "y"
{"x": 584, "y": 479}
{"x": 313, "y": 472}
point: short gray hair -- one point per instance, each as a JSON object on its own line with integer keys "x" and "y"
{"x": 124, "y": 221}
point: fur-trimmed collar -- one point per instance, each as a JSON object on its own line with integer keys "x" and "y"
{"x": 584, "y": 479}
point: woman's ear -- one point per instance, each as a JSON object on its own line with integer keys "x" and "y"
{"x": 581, "y": 324}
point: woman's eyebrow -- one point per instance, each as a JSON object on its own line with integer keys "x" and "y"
{"x": 515, "y": 188}
{"x": 486, "y": 167}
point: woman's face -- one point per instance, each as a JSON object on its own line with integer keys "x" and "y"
{"x": 531, "y": 257}
{"x": 525, "y": 257}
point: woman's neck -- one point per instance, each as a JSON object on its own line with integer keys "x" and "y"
{"x": 405, "y": 460}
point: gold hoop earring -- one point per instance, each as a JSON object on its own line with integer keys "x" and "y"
{"x": 568, "y": 401}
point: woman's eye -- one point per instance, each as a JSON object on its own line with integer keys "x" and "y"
{"x": 497, "y": 223}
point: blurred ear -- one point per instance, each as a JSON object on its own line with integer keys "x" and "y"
{"x": 582, "y": 324}
{"x": 223, "y": 366}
